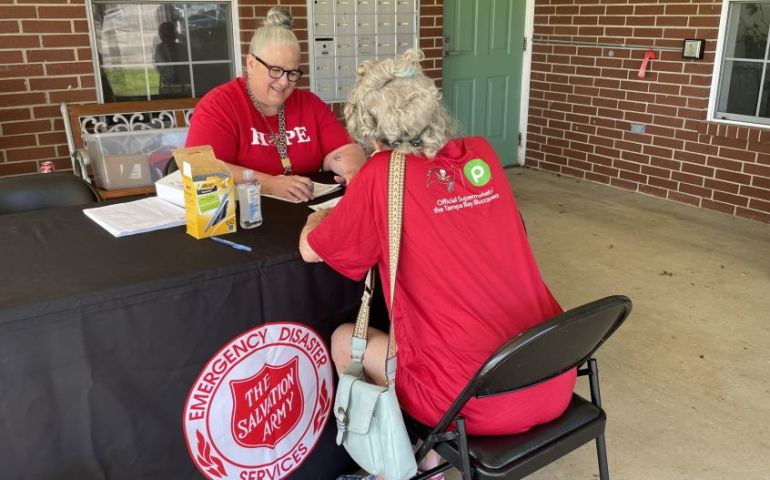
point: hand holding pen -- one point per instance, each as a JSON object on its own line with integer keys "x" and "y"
{"x": 295, "y": 188}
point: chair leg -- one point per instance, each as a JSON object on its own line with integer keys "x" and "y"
{"x": 464, "y": 454}
{"x": 601, "y": 452}
{"x": 596, "y": 398}
{"x": 593, "y": 381}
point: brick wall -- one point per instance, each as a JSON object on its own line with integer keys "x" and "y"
{"x": 46, "y": 59}
{"x": 585, "y": 95}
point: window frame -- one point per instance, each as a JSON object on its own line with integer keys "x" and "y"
{"x": 235, "y": 41}
{"x": 719, "y": 59}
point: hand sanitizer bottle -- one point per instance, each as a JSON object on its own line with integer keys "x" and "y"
{"x": 249, "y": 201}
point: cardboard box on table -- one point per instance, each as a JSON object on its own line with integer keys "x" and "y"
{"x": 209, "y": 193}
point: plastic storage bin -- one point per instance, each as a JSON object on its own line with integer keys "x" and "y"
{"x": 132, "y": 159}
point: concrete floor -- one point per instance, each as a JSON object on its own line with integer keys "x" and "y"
{"x": 686, "y": 381}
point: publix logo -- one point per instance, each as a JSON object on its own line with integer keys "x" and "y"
{"x": 477, "y": 172}
{"x": 260, "y": 404}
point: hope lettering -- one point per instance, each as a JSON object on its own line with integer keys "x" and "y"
{"x": 295, "y": 135}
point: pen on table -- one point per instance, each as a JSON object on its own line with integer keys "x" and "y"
{"x": 234, "y": 245}
{"x": 220, "y": 213}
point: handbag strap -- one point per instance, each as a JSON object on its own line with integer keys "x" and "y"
{"x": 396, "y": 171}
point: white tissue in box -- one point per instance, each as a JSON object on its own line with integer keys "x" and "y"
{"x": 171, "y": 189}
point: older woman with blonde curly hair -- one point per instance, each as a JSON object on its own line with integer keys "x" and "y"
{"x": 467, "y": 281}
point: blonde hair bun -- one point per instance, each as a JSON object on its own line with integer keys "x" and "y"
{"x": 408, "y": 64}
{"x": 276, "y": 30}
{"x": 279, "y": 16}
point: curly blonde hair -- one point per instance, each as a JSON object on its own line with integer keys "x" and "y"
{"x": 396, "y": 104}
{"x": 277, "y": 29}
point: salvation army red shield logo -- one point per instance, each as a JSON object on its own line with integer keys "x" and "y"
{"x": 267, "y": 406}
{"x": 260, "y": 404}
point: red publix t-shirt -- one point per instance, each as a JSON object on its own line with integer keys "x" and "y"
{"x": 467, "y": 281}
{"x": 226, "y": 119}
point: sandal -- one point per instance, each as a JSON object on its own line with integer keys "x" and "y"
{"x": 438, "y": 476}
{"x": 357, "y": 477}
{"x": 430, "y": 461}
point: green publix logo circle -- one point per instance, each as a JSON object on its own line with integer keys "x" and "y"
{"x": 477, "y": 172}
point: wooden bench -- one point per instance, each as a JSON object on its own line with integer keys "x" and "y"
{"x": 88, "y": 118}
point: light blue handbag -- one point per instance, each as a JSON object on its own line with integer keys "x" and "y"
{"x": 369, "y": 421}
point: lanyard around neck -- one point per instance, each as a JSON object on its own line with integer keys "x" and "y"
{"x": 281, "y": 145}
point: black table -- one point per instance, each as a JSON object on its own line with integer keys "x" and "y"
{"x": 101, "y": 338}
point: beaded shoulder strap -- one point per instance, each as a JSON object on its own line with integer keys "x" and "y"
{"x": 396, "y": 171}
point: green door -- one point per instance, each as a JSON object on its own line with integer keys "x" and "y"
{"x": 483, "y": 55}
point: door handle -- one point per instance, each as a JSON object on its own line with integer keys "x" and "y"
{"x": 445, "y": 47}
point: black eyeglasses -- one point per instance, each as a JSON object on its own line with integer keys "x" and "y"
{"x": 277, "y": 72}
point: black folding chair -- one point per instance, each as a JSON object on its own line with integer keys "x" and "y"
{"x": 538, "y": 354}
{"x": 44, "y": 190}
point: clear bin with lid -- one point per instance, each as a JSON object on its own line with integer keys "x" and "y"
{"x": 132, "y": 159}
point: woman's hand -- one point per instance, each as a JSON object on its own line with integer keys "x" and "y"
{"x": 291, "y": 187}
{"x": 313, "y": 220}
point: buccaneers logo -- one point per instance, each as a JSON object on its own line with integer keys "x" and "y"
{"x": 442, "y": 177}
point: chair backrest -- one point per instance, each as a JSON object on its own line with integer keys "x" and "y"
{"x": 171, "y": 167}
{"x": 550, "y": 348}
{"x": 82, "y": 118}
{"x": 44, "y": 190}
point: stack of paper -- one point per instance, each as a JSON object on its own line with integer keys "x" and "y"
{"x": 139, "y": 216}
{"x": 171, "y": 188}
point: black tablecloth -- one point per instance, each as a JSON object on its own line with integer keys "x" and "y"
{"x": 102, "y": 337}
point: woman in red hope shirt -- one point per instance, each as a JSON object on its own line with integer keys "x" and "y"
{"x": 263, "y": 123}
{"x": 467, "y": 281}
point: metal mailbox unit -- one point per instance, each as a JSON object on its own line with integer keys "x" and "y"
{"x": 344, "y": 33}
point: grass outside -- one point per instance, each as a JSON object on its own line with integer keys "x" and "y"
{"x": 131, "y": 82}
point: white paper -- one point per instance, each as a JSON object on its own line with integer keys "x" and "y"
{"x": 171, "y": 188}
{"x": 319, "y": 190}
{"x": 139, "y": 216}
{"x": 331, "y": 203}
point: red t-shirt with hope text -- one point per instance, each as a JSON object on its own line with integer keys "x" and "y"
{"x": 226, "y": 119}
{"x": 467, "y": 281}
